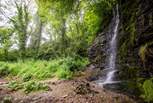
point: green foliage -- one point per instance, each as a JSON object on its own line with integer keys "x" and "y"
{"x": 27, "y": 87}
{"x": 15, "y": 85}
{"x": 142, "y": 52}
{"x": 20, "y": 24}
{"x": 131, "y": 29}
{"x": 34, "y": 86}
{"x": 123, "y": 49}
{"x": 26, "y": 77}
{"x": 69, "y": 66}
{"x": 132, "y": 71}
{"x": 73, "y": 24}
{"x": 64, "y": 74}
{"x": 127, "y": 41}
{"x": 30, "y": 70}
{"x": 133, "y": 33}
{"x": 44, "y": 7}
{"x": 42, "y": 69}
{"x": 5, "y": 40}
{"x": 147, "y": 87}
{"x": 92, "y": 22}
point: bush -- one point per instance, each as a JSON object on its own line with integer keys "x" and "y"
{"x": 69, "y": 65}
{"x": 148, "y": 90}
{"x": 64, "y": 74}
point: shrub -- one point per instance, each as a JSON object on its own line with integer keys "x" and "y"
{"x": 68, "y": 66}
{"x": 64, "y": 74}
{"x": 148, "y": 90}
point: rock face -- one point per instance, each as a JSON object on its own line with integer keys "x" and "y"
{"x": 135, "y": 42}
{"x": 145, "y": 32}
{"x": 136, "y": 37}
{"x": 97, "y": 51}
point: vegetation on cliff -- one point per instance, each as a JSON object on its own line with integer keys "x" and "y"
{"x": 135, "y": 46}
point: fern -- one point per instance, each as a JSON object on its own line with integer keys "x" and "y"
{"x": 148, "y": 90}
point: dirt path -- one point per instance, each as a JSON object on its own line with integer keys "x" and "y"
{"x": 73, "y": 91}
{"x": 2, "y": 81}
{"x": 78, "y": 90}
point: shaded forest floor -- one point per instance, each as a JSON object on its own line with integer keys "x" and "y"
{"x": 77, "y": 90}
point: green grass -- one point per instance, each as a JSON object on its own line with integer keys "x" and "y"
{"x": 63, "y": 68}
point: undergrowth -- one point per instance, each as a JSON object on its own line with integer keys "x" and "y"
{"x": 28, "y": 87}
{"x": 146, "y": 88}
{"x": 63, "y": 68}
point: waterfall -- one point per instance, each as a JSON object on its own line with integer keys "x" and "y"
{"x": 112, "y": 50}
{"x": 110, "y": 68}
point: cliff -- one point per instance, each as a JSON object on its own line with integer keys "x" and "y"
{"x": 135, "y": 44}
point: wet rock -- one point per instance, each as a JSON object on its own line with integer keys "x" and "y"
{"x": 144, "y": 74}
{"x": 96, "y": 52}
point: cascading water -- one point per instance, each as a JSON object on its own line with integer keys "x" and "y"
{"x": 110, "y": 68}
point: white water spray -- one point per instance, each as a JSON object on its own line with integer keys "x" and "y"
{"x": 110, "y": 68}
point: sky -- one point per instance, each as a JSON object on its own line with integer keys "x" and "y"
{"x": 8, "y": 9}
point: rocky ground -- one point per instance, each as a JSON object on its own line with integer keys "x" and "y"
{"x": 78, "y": 90}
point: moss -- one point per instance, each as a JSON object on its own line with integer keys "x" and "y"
{"x": 132, "y": 71}
{"x": 123, "y": 49}
{"x": 133, "y": 34}
{"x": 129, "y": 27}
{"x": 143, "y": 50}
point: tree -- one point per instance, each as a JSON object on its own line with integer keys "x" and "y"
{"x": 20, "y": 24}
{"x": 5, "y": 40}
{"x": 36, "y": 36}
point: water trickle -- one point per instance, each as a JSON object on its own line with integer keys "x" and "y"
{"x": 110, "y": 67}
